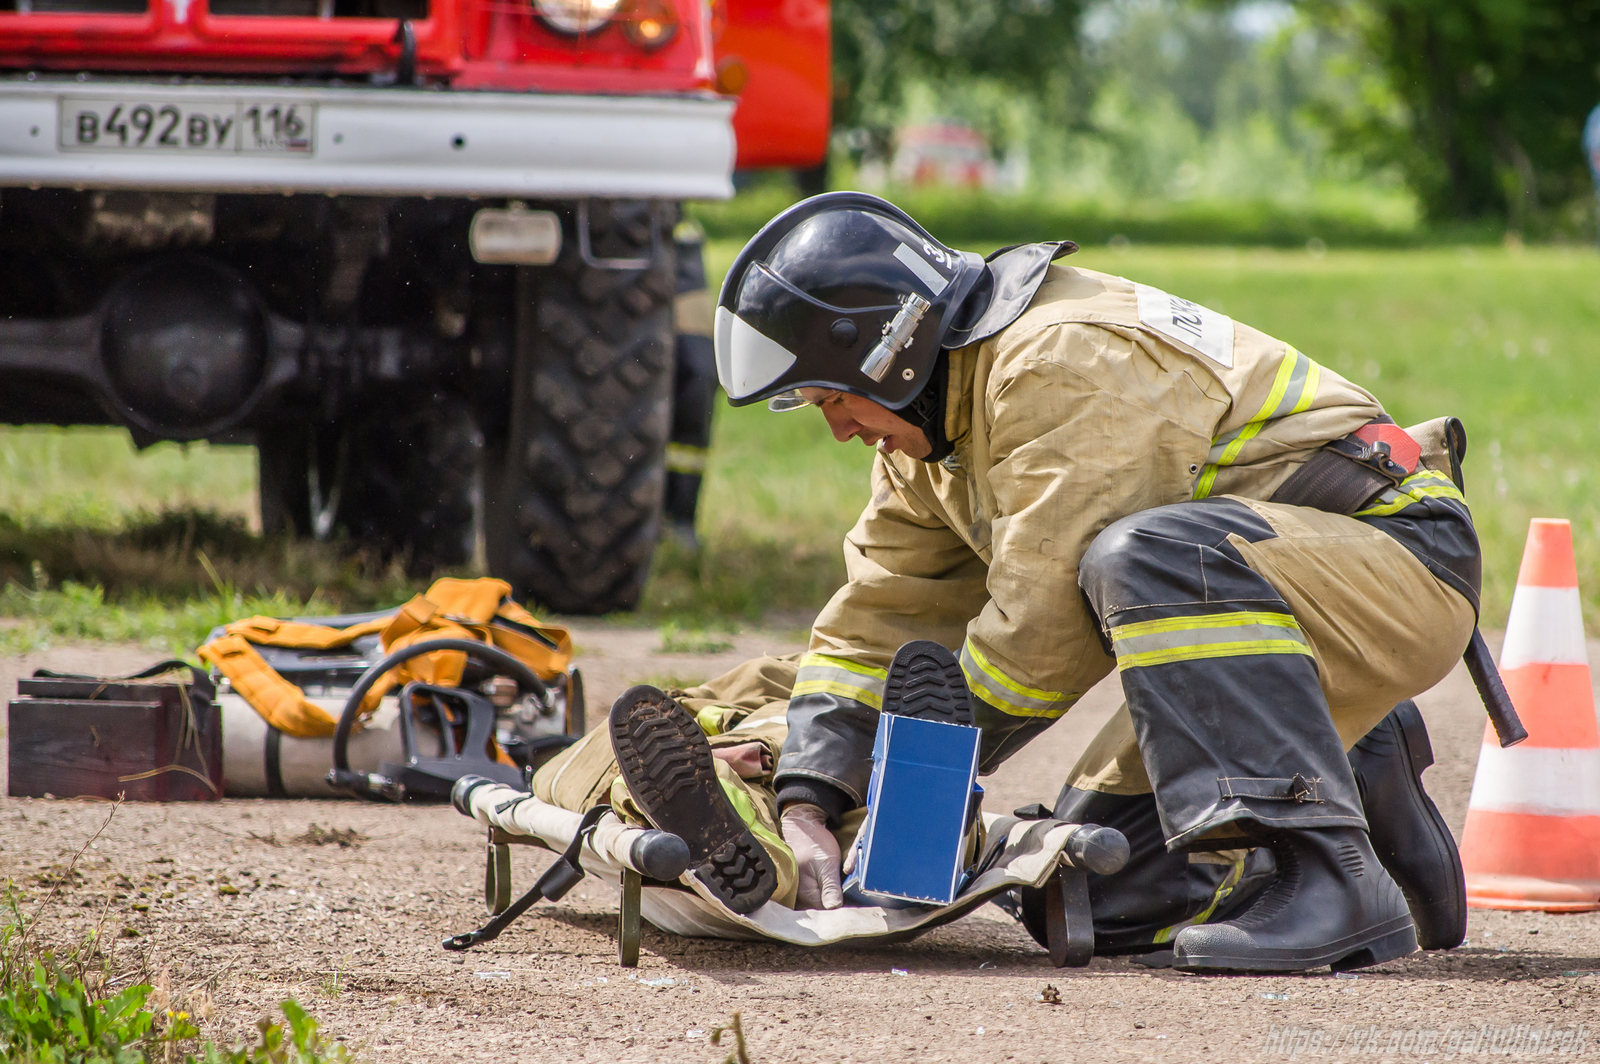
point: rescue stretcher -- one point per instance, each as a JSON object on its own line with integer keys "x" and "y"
{"x": 1020, "y": 853}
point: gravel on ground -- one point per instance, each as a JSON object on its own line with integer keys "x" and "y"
{"x": 235, "y": 905}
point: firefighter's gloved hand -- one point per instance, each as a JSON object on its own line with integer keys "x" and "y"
{"x": 816, "y": 853}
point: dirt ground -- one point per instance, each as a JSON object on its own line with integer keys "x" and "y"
{"x": 353, "y": 933}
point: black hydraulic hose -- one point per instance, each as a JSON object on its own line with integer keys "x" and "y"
{"x": 513, "y": 667}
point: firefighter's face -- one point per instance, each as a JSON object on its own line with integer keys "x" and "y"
{"x": 854, "y": 417}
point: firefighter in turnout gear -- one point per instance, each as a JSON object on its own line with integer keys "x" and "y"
{"x": 694, "y": 386}
{"x": 1078, "y": 473}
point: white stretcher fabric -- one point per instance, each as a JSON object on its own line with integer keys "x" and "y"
{"x": 1032, "y": 850}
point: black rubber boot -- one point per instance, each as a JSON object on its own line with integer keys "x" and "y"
{"x": 925, "y": 681}
{"x": 666, "y": 763}
{"x": 1333, "y": 904}
{"x": 1408, "y": 834}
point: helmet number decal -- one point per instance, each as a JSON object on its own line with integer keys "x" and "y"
{"x": 936, "y": 281}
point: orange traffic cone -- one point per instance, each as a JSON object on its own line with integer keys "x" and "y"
{"x": 1533, "y": 822}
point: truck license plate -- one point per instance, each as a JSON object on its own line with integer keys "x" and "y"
{"x": 252, "y": 127}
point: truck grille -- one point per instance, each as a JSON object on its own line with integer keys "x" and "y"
{"x": 326, "y": 9}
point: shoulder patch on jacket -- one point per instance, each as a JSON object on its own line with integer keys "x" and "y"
{"x": 1186, "y": 322}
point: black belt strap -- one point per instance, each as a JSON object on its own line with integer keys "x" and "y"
{"x": 273, "y": 763}
{"x": 1342, "y": 478}
{"x": 1332, "y": 481}
{"x": 1345, "y": 475}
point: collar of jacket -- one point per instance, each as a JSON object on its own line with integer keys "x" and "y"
{"x": 1017, "y": 272}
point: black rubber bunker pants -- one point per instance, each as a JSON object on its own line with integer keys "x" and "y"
{"x": 1256, "y": 643}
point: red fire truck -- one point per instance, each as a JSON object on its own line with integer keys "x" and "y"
{"x": 420, "y": 253}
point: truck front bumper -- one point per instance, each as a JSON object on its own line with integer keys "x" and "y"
{"x": 375, "y": 141}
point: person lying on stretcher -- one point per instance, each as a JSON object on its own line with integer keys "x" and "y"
{"x": 699, "y": 763}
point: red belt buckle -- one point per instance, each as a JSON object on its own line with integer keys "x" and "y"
{"x": 1403, "y": 450}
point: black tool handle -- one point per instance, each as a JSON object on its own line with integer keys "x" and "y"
{"x": 556, "y": 881}
{"x": 514, "y": 667}
{"x": 504, "y": 919}
{"x": 1486, "y": 677}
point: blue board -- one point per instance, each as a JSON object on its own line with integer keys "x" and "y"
{"x": 918, "y": 803}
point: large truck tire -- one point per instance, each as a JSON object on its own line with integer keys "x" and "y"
{"x": 283, "y": 458}
{"x": 413, "y": 483}
{"x": 577, "y": 513}
{"x": 405, "y": 479}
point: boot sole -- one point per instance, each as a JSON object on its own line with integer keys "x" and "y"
{"x": 925, "y": 681}
{"x": 1419, "y": 751}
{"x": 666, "y": 763}
{"x": 1390, "y": 940}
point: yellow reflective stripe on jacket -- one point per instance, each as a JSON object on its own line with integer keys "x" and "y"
{"x": 1217, "y": 635}
{"x": 1007, "y": 695}
{"x": 739, "y": 798}
{"x": 824, "y": 674}
{"x": 1423, "y": 484}
{"x": 1293, "y": 389}
{"x": 710, "y": 719}
{"x": 686, "y": 458}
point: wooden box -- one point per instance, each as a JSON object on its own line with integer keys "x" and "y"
{"x": 150, "y": 742}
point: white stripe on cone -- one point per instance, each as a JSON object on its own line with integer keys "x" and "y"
{"x": 1541, "y": 781}
{"x": 1545, "y": 627}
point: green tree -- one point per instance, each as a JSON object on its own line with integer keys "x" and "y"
{"x": 1486, "y": 100}
{"x": 882, "y": 46}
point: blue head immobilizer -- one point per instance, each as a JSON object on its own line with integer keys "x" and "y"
{"x": 920, "y": 803}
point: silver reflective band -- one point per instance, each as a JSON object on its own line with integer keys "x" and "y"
{"x": 897, "y": 334}
{"x": 924, "y": 270}
{"x": 783, "y": 402}
{"x": 747, "y": 361}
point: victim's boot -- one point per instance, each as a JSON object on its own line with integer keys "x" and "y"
{"x": 666, "y": 763}
{"x": 1408, "y": 834}
{"x": 1333, "y": 904}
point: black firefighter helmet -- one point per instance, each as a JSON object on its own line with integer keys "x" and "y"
{"x": 846, "y": 291}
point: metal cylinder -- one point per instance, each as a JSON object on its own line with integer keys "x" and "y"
{"x": 297, "y": 768}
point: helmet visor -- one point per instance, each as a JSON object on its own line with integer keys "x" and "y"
{"x": 747, "y": 360}
{"x": 774, "y": 325}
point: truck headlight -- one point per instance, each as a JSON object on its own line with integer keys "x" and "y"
{"x": 649, "y": 24}
{"x": 576, "y": 16}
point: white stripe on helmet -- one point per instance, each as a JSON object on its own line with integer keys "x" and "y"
{"x": 920, "y": 266}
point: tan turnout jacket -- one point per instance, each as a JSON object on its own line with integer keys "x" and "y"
{"x": 1103, "y": 399}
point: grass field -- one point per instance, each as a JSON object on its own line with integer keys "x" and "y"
{"x": 1506, "y": 340}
